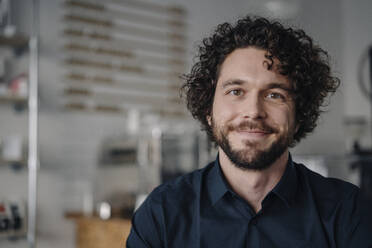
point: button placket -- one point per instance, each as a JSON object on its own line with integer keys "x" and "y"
{"x": 254, "y": 221}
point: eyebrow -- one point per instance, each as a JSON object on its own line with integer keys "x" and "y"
{"x": 274, "y": 85}
{"x": 232, "y": 83}
{"x": 279, "y": 86}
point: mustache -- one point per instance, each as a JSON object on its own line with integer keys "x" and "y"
{"x": 246, "y": 125}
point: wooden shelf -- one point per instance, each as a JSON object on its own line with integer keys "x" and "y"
{"x": 92, "y": 232}
{"x": 12, "y": 99}
{"x": 18, "y": 163}
{"x": 16, "y": 41}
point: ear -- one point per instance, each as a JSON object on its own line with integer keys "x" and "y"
{"x": 209, "y": 119}
{"x": 297, "y": 127}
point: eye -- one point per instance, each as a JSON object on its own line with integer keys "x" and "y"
{"x": 275, "y": 96}
{"x": 235, "y": 92}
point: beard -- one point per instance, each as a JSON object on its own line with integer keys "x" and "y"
{"x": 251, "y": 157}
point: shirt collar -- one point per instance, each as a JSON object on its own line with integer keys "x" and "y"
{"x": 217, "y": 186}
{"x": 285, "y": 189}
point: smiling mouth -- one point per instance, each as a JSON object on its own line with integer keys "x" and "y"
{"x": 253, "y": 134}
{"x": 253, "y": 131}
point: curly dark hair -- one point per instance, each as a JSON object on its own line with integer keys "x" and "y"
{"x": 306, "y": 66}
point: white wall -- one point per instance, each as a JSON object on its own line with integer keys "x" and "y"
{"x": 357, "y": 37}
{"x": 322, "y": 20}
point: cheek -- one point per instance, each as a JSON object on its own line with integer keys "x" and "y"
{"x": 283, "y": 117}
{"x": 291, "y": 123}
{"x": 222, "y": 111}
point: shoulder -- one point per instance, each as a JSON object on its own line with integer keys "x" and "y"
{"x": 341, "y": 206}
{"x": 170, "y": 204}
{"x": 182, "y": 190}
{"x": 168, "y": 208}
{"x": 331, "y": 189}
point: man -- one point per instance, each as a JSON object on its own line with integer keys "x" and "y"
{"x": 257, "y": 89}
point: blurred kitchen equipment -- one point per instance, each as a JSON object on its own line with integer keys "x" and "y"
{"x": 355, "y": 129}
{"x": 104, "y": 210}
{"x": 6, "y": 26}
{"x": 364, "y": 155}
{"x": 168, "y": 150}
{"x": 120, "y": 203}
{"x": 13, "y": 219}
{"x": 3, "y": 70}
{"x": 18, "y": 86}
{"x": 12, "y": 151}
{"x": 119, "y": 151}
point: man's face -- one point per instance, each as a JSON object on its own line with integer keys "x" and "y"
{"x": 253, "y": 115}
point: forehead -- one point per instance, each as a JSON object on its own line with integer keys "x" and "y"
{"x": 250, "y": 65}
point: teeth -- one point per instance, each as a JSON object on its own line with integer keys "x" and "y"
{"x": 253, "y": 130}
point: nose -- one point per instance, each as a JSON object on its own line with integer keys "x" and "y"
{"x": 253, "y": 107}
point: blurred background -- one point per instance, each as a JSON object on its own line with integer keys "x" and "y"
{"x": 90, "y": 115}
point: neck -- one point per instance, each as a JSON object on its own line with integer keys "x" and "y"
{"x": 253, "y": 185}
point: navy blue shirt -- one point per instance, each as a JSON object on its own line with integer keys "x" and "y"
{"x": 303, "y": 210}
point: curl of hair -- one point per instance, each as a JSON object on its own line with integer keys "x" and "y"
{"x": 305, "y": 65}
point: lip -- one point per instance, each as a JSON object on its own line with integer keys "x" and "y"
{"x": 258, "y": 131}
{"x": 253, "y": 134}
